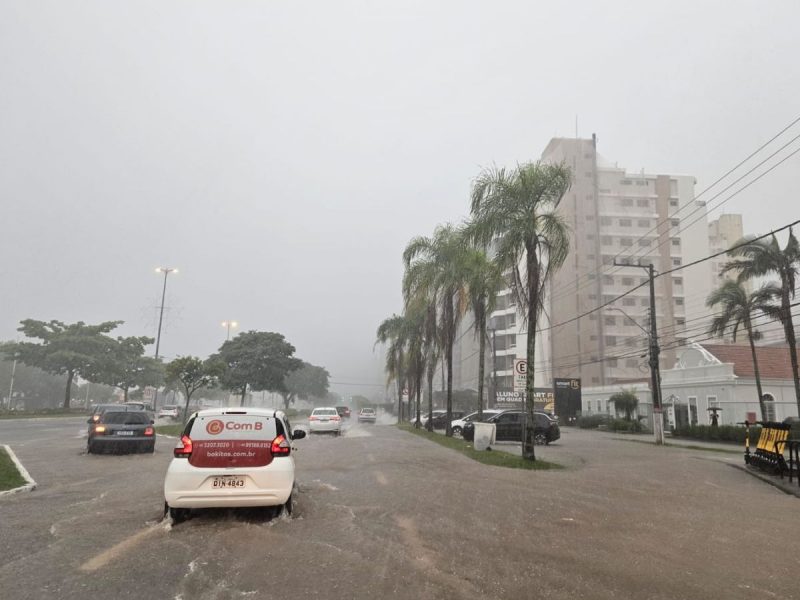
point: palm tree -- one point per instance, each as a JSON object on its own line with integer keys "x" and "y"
{"x": 758, "y": 257}
{"x": 435, "y": 268}
{"x": 415, "y": 316}
{"x": 484, "y": 280}
{"x": 515, "y": 211}
{"x": 392, "y": 331}
{"x": 738, "y": 308}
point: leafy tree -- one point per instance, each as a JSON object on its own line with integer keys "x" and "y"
{"x": 192, "y": 374}
{"x": 306, "y": 382}
{"x": 124, "y": 365}
{"x": 625, "y": 401}
{"x": 754, "y": 258}
{"x": 75, "y": 349}
{"x": 258, "y": 359}
{"x": 392, "y": 331}
{"x": 738, "y": 308}
{"x": 515, "y": 213}
{"x": 435, "y": 267}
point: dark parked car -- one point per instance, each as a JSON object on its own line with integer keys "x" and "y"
{"x": 509, "y": 427}
{"x": 122, "y": 430}
{"x": 440, "y": 421}
{"x": 343, "y": 411}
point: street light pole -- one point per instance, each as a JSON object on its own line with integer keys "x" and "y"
{"x": 228, "y": 325}
{"x": 11, "y": 387}
{"x": 166, "y": 271}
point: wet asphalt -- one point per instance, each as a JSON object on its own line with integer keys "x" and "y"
{"x": 384, "y": 514}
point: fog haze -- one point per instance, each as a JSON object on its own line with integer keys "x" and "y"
{"x": 281, "y": 154}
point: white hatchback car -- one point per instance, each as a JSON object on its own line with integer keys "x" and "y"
{"x": 232, "y": 457}
{"x": 325, "y": 419}
{"x": 458, "y": 425}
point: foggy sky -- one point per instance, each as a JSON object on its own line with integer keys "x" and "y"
{"x": 281, "y": 154}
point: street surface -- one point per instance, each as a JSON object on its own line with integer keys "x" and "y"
{"x": 386, "y": 514}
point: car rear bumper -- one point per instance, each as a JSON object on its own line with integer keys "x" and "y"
{"x": 366, "y": 419}
{"x": 315, "y": 426}
{"x": 122, "y": 441}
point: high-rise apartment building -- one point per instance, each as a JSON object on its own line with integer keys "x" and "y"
{"x": 723, "y": 233}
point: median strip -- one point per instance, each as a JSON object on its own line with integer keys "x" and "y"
{"x": 13, "y": 476}
{"x": 496, "y": 458}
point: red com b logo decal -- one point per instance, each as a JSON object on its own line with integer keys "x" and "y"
{"x": 215, "y": 427}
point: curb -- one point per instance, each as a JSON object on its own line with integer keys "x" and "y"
{"x": 790, "y": 490}
{"x": 29, "y": 486}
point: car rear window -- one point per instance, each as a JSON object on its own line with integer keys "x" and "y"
{"x": 325, "y": 411}
{"x": 117, "y": 417}
{"x": 368, "y": 411}
{"x": 232, "y": 440}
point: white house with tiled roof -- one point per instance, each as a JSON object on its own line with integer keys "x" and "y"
{"x": 713, "y": 375}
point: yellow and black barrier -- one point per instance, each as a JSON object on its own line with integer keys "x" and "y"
{"x": 768, "y": 455}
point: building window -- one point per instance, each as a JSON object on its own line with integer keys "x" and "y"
{"x": 589, "y": 236}
{"x": 692, "y": 400}
{"x": 675, "y": 222}
{"x": 676, "y": 241}
{"x": 676, "y": 262}
{"x": 643, "y": 202}
{"x": 590, "y": 217}
{"x": 673, "y": 202}
{"x": 610, "y": 321}
{"x": 590, "y": 257}
{"x": 643, "y": 222}
{"x": 612, "y": 362}
{"x": 625, "y": 242}
{"x": 677, "y": 281}
{"x": 605, "y": 221}
{"x": 628, "y": 302}
{"x": 608, "y": 260}
{"x": 607, "y": 299}
{"x": 624, "y": 222}
{"x": 627, "y": 281}
{"x": 592, "y": 338}
{"x": 606, "y": 240}
{"x": 611, "y": 340}
{"x": 678, "y": 302}
{"x": 631, "y": 363}
{"x": 680, "y": 322}
{"x": 592, "y": 296}
{"x": 608, "y": 280}
{"x": 626, "y": 182}
{"x": 591, "y": 276}
{"x": 645, "y": 242}
{"x": 593, "y": 317}
{"x": 596, "y": 380}
{"x": 627, "y": 202}
{"x": 644, "y": 301}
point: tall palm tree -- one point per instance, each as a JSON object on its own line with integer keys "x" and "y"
{"x": 758, "y": 257}
{"x": 484, "y": 280}
{"x": 392, "y": 331}
{"x": 516, "y": 212}
{"x": 415, "y": 325}
{"x": 738, "y": 308}
{"x": 435, "y": 265}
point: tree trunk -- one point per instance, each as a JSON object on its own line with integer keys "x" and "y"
{"x": 68, "y": 392}
{"x": 399, "y": 391}
{"x": 420, "y": 369}
{"x": 244, "y": 395}
{"x": 528, "y": 451}
{"x": 448, "y": 352}
{"x": 431, "y": 373}
{"x": 481, "y": 360}
{"x": 748, "y": 326}
{"x": 788, "y": 326}
{"x": 125, "y": 394}
{"x": 186, "y": 406}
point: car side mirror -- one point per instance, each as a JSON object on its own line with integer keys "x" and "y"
{"x": 298, "y": 434}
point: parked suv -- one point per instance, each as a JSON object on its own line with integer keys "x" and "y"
{"x": 232, "y": 457}
{"x": 508, "y": 427}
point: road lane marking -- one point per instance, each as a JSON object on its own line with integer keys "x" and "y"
{"x": 381, "y": 478}
{"x": 105, "y": 557}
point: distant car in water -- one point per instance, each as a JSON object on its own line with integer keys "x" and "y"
{"x": 508, "y": 427}
{"x": 122, "y": 430}
{"x": 325, "y": 419}
{"x": 169, "y": 411}
{"x": 457, "y": 424}
{"x": 343, "y": 411}
{"x": 367, "y": 415}
{"x": 99, "y": 409}
{"x": 436, "y": 413}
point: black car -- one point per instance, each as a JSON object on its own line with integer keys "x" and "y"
{"x": 440, "y": 421}
{"x": 122, "y": 430}
{"x": 508, "y": 427}
{"x": 344, "y": 412}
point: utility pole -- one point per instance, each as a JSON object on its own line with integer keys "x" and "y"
{"x": 166, "y": 271}
{"x": 655, "y": 371}
{"x": 11, "y": 387}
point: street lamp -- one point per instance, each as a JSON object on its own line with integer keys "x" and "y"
{"x": 166, "y": 271}
{"x": 229, "y": 325}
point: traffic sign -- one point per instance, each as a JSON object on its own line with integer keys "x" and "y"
{"x": 520, "y": 374}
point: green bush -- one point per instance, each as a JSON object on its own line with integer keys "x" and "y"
{"x": 721, "y": 433}
{"x": 592, "y": 421}
{"x": 625, "y": 426}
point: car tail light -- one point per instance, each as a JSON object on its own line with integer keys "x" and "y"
{"x": 313, "y": 418}
{"x": 95, "y": 418}
{"x": 281, "y": 446}
{"x": 148, "y": 431}
{"x": 184, "y": 447}
{"x": 99, "y": 429}
{"x": 336, "y": 419}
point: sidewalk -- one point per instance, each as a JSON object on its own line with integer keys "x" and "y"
{"x": 724, "y": 447}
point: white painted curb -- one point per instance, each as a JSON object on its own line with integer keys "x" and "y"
{"x": 28, "y": 487}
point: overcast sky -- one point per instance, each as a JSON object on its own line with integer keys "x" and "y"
{"x": 281, "y": 153}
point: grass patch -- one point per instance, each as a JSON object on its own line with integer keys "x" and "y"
{"x": 687, "y": 446}
{"x": 34, "y": 414}
{"x": 175, "y": 430}
{"x": 496, "y": 458}
{"x": 10, "y": 477}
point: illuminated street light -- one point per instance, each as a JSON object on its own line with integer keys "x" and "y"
{"x": 229, "y": 325}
